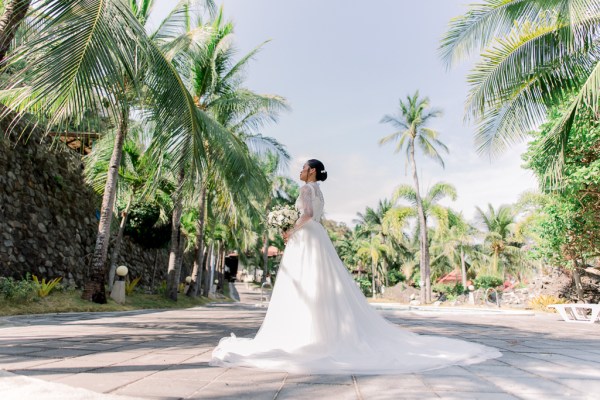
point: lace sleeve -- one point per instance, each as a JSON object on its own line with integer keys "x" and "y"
{"x": 306, "y": 201}
{"x": 306, "y": 196}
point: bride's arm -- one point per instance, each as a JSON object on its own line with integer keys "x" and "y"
{"x": 306, "y": 194}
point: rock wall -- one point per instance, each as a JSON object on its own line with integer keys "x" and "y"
{"x": 48, "y": 217}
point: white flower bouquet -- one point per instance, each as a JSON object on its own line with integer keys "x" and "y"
{"x": 282, "y": 217}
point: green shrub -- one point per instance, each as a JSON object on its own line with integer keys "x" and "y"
{"x": 130, "y": 285}
{"x": 485, "y": 282}
{"x": 44, "y": 288}
{"x": 395, "y": 276}
{"x": 451, "y": 291}
{"x": 13, "y": 290}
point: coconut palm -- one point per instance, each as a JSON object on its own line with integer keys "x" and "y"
{"x": 215, "y": 80}
{"x": 426, "y": 206}
{"x": 499, "y": 224}
{"x": 453, "y": 241}
{"x": 101, "y": 59}
{"x": 373, "y": 249}
{"x": 411, "y": 121}
{"x": 532, "y": 51}
{"x": 13, "y": 14}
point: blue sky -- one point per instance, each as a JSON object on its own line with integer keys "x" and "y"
{"x": 343, "y": 65}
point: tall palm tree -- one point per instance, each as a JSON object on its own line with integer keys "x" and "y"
{"x": 499, "y": 224}
{"x": 411, "y": 122}
{"x": 453, "y": 240}
{"x": 532, "y": 51}
{"x": 215, "y": 80}
{"x": 426, "y": 206}
{"x": 100, "y": 56}
{"x": 374, "y": 249}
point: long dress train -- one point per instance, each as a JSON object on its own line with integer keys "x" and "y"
{"x": 319, "y": 322}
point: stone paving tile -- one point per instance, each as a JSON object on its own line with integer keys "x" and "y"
{"x": 497, "y": 370}
{"x": 165, "y": 354}
{"x": 320, "y": 379}
{"x": 475, "y": 396}
{"x": 543, "y": 388}
{"x": 199, "y": 372}
{"x": 235, "y": 390}
{"x": 164, "y": 388}
{"x": 301, "y": 391}
{"x": 251, "y": 375}
{"x": 463, "y": 383}
{"x": 22, "y": 362}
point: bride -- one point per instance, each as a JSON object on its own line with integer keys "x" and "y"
{"x": 319, "y": 322}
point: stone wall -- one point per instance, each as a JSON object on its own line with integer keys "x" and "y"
{"x": 48, "y": 217}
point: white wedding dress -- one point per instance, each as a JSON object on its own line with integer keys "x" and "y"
{"x": 319, "y": 322}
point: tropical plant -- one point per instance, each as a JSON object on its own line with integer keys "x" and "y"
{"x": 44, "y": 288}
{"x": 373, "y": 250}
{"x": 532, "y": 51}
{"x": 426, "y": 207}
{"x": 215, "y": 80}
{"x": 499, "y": 241}
{"x": 101, "y": 59}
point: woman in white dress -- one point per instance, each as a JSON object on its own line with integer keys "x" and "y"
{"x": 319, "y": 322}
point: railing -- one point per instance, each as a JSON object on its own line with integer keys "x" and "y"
{"x": 488, "y": 295}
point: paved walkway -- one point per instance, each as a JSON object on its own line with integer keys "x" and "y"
{"x": 164, "y": 355}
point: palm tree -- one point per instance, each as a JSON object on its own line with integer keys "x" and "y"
{"x": 13, "y": 13}
{"x": 532, "y": 51}
{"x": 425, "y": 207}
{"x": 499, "y": 226}
{"x": 373, "y": 249}
{"x": 411, "y": 122}
{"x": 453, "y": 240}
{"x": 215, "y": 81}
{"x": 134, "y": 177}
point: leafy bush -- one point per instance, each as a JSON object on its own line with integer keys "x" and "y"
{"x": 162, "y": 289}
{"x": 44, "y": 288}
{"x": 484, "y": 282}
{"x": 451, "y": 291}
{"x": 130, "y": 285}
{"x": 542, "y": 302}
{"x": 23, "y": 290}
{"x": 142, "y": 226}
{"x": 395, "y": 276}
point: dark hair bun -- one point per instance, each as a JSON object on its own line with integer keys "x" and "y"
{"x": 318, "y": 165}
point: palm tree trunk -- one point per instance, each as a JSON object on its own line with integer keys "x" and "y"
{"x": 207, "y": 282}
{"x": 577, "y": 280}
{"x": 463, "y": 268}
{"x": 199, "y": 246}
{"x": 94, "y": 286}
{"x": 212, "y": 260}
{"x": 179, "y": 261}
{"x": 425, "y": 284}
{"x": 373, "y": 291}
{"x": 265, "y": 255}
{"x": 117, "y": 249}
{"x": 175, "y": 238}
{"x": 14, "y": 13}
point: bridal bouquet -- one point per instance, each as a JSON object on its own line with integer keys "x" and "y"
{"x": 283, "y": 217}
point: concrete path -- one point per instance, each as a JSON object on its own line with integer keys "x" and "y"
{"x": 164, "y": 354}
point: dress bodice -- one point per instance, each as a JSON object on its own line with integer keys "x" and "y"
{"x": 310, "y": 202}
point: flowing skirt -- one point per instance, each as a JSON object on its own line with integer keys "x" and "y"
{"x": 319, "y": 322}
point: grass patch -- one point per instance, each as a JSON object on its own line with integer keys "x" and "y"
{"x": 70, "y": 301}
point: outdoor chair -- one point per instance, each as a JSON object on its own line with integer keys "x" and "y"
{"x": 576, "y": 312}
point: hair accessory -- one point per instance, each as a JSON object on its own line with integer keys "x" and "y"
{"x": 323, "y": 171}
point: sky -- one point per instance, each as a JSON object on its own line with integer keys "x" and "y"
{"x": 342, "y": 65}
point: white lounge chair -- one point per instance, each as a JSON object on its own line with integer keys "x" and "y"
{"x": 575, "y": 312}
